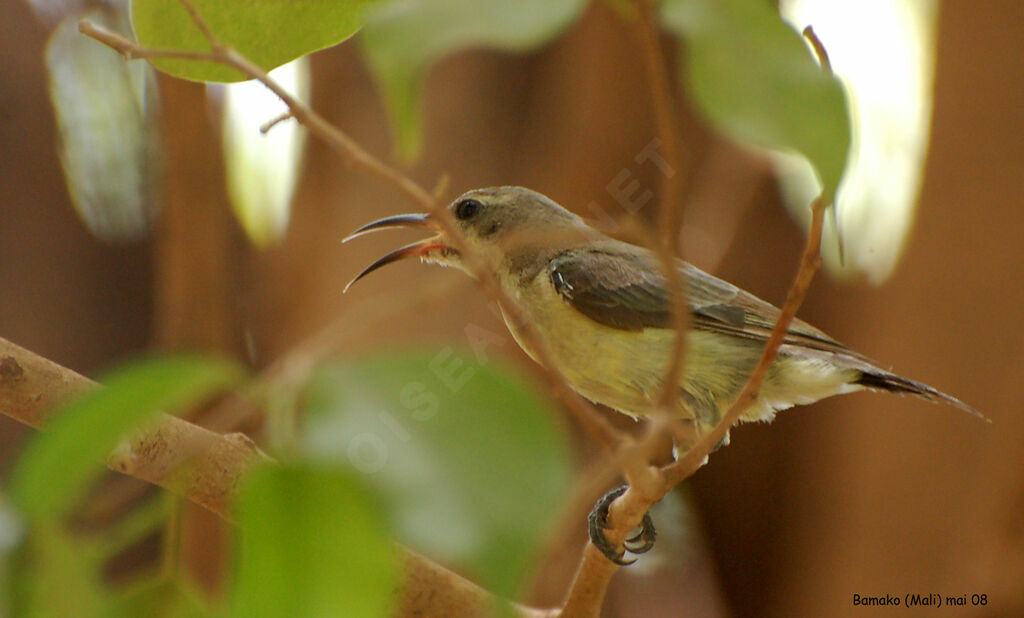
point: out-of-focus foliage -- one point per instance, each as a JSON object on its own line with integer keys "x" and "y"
{"x": 889, "y": 88}
{"x": 262, "y": 169}
{"x": 56, "y": 576}
{"x": 466, "y": 460}
{"x": 161, "y": 596}
{"x": 105, "y": 109}
{"x": 753, "y": 78}
{"x": 268, "y": 32}
{"x": 55, "y": 572}
{"x": 746, "y": 70}
{"x": 59, "y": 462}
{"x": 403, "y": 38}
{"x": 470, "y": 461}
{"x": 311, "y": 543}
{"x": 463, "y": 459}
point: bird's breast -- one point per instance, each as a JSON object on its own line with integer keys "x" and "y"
{"x": 625, "y": 369}
{"x": 620, "y": 369}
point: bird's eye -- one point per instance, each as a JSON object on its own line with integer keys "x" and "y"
{"x": 466, "y": 209}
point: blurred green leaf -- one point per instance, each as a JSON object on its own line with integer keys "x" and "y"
{"x": 106, "y": 112}
{"x": 754, "y": 78}
{"x": 311, "y": 543}
{"x": 469, "y": 457}
{"x": 403, "y": 38}
{"x": 57, "y": 463}
{"x": 142, "y": 522}
{"x": 55, "y": 576}
{"x": 268, "y": 32}
{"x": 889, "y": 89}
{"x": 161, "y": 597}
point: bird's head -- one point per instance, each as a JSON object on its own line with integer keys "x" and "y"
{"x": 501, "y": 225}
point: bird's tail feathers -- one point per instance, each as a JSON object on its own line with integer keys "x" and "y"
{"x": 881, "y": 380}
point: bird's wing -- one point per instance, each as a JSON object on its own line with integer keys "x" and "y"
{"x": 624, "y": 288}
{"x": 613, "y": 289}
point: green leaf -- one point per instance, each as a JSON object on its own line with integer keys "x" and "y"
{"x": 161, "y": 597}
{"x": 268, "y": 32}
{"x": 311, "y": 543}
{"x": 55, "y": 576}
{"x": 59, "y": 462}
{"x": 132, "y": 528}
{"x": 471, "y": 462}
{"x": 754, "y": 78}
{"x": 403, "y": 38}
{"x": 889, "y": 89}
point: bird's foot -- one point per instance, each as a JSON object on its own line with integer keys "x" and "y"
{"x": 639, "y": 543}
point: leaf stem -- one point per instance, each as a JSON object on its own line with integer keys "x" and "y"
{"x": 583, "y": 411}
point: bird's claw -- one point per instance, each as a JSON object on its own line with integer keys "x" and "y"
{"x": 639, "y": 543}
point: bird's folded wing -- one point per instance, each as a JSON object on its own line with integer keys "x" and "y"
{"x": 626, "y": 289}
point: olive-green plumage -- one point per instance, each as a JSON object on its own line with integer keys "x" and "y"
{"x": 603, "y": 309}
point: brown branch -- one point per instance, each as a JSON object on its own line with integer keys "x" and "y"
{"x": 586, "y": 595}
{"x": 205, "y": 467}
{"x": 670, "y": 206}
{"x": 273, "y": 122}
{"x": 587, "y": 591}
{"x": 809, "y": 263}
{"x": 432, "y": 590}
{"x": 670, "y": 191}
{"x": 646, "y": 482}
{"x": 819, "y": 49}
{"x": 31, "y": 386}
{"x": 625, "y": 514}
{"x": 584, "y": 412}
{"x": 657, "y": 66}
{"x": 200, "y": 23}
{"x": 651, "y": 483}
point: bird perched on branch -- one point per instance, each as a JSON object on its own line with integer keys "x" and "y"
{"x": 603, "y": 309}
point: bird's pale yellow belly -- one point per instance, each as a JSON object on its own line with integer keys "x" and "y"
{"x": 625, "y": 370}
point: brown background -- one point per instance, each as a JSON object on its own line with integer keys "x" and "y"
{"x": 865, "y": 494}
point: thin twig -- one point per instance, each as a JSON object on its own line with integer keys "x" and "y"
{"x": 127, "y": 48}
{"x": 175, "y": 454}
{"x": 586, "y": 593}
{"x": 819, "y": 49}
{"x": 646, "y": 482}
{"x": 273, "y": 122}
{"x": 212, "y": 464}
{"x": 809, "y": 262}
{"x": 826, "y": 65}
{"x": 670, "y": 194}
{"x": 200, "y": 23}
{"x": 584, "y": 412}
{"x": 595, "y": 570}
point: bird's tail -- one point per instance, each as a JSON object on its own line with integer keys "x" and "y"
{"x": 882, "y": 380}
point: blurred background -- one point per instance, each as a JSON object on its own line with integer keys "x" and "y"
{"x": 867, "y": 494}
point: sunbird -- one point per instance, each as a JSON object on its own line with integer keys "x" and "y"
{"x": 603, "y": 309}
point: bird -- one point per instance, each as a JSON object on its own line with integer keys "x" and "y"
{"x": 603, "y": 309}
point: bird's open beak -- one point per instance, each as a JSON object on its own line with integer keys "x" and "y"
{"x": 417, "y": 249}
